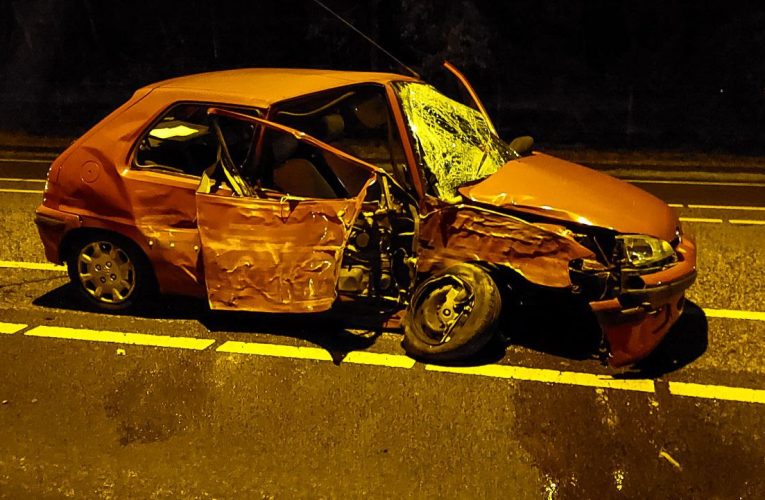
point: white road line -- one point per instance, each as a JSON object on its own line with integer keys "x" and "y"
{"x": 59, "y": 332}
{"x": 27, "y": 191}
{"x": 728, "y": 207}
{"x": 10, "y": 328}
{"x": 25, "y": 160}
{"x": 16, "y": 179}
{"x": 38, "y": 266}
{"x": 747, "y": 222}
{"x": 700, "y": 219}
{"x": 697, "y": 183}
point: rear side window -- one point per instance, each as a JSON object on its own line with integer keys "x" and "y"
{"x": 183, "y": 140}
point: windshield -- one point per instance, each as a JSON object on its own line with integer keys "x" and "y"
{"x": 454, "y": 142}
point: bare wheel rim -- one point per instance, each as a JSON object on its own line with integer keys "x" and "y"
{"x": 106, "y": 272}
{"x": 443, "y": 305}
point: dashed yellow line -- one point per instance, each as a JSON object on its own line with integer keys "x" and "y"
{"x": 59, "y": 332}
{"x": 734, "y": 314}
{"x": 740, "y": 394}
{"x": 11, "y": 328}
{"x": 685, "y": 389}
{"x": 747, "y": 222}
{"x": 379, "y": 359}
{"x": 40, "y": 266}
{"x": 727, "y": 207}
{"x": 25, "y": 191}
{"x": 277, "y": 350}
{"x": 549, "y": 376}
{"x": 16, "y": 179}
{"x": 700, "y": 219}
{"x": 676, "y": 205}
{"x": 24, "y": 160}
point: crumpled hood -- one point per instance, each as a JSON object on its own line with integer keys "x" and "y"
{"x": 556, "y": 188}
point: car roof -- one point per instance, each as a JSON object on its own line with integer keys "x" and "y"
{"x": 267, "y": 86}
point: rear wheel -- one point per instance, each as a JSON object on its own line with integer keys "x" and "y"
{"x": 108, "y": 271}
{"x": 452, "y": 315}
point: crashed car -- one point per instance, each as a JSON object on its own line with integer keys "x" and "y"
{"x": 289, "y": 190}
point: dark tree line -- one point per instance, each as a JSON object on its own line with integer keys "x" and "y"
{"x": 601, "y": 72}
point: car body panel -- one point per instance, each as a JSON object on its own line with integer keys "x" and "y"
{"x": 552, "y": 187}
{"x": 450, "y": 234}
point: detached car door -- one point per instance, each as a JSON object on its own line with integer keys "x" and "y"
{"x": 272, "y": 251}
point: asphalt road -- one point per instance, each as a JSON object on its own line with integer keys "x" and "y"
{"x": 276, "y": 406}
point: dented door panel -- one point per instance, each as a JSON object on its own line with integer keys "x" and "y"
{"x": 262, "y": 255}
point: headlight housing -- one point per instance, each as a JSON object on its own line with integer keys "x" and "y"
{"x": 643, "y": 251}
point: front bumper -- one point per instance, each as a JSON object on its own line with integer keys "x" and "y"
{"x": 635, "y": 322}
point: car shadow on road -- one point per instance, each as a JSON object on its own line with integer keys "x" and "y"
{"x": 338, "y": 331}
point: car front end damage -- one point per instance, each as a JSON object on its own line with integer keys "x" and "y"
{"x": 635, "y": 305}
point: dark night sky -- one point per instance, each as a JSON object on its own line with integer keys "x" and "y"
{"x": 610, "y": 73}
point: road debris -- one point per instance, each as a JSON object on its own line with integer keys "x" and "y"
{"x": 665, "y": 455}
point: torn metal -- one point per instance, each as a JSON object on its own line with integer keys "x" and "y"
{"x": 460, "y": 233}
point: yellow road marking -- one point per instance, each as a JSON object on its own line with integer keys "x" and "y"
{"x": 740, "y": 394}
{"x": 11, "y": 327}
{"x": 277, "y": 350}
{"x": 747, "y": 222}
{"x": 40, "y": 266}
{"x": 734, "y": 314}
{"x": 697, "y": 183}
{"x": 28, "y": 191}
{"x": 728, "y": 207}
{"x": 676, "y": 205}
{"x": 549, "y": 376}
{"x": 59, "y": 332}
{"x": 16, "y": 179}
{"x": 700, "y": 219}
{"x": 374, "y": 358}
{"x": 24, "y": 160}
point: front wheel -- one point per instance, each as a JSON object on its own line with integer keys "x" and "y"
{"x": 108, "y": 272}
{"x": 452, "y": 315}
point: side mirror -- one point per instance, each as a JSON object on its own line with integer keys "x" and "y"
{"x": 523, "y": 144}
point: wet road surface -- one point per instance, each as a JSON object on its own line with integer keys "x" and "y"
{"x": 312, "y": 407}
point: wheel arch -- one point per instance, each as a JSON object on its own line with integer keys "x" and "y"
{"x": 69, "y": 246}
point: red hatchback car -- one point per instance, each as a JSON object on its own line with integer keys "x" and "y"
{"x": 286, "y": 190}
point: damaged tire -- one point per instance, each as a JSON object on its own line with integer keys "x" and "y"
{"x": 452, "y": 315}
{"x": 109, "y": 271}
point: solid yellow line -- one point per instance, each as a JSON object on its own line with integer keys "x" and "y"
{"x": 676, "y": 205}
{"x": 727, "y": 207}
{"x": 16, "y": 179}
{"x": 549, "y": 376}
{"x": 11, "y": 327}
{"x": 27, "y": 191}
{"x": 59, "y": 332}
{"x": 734, "y": 314}
{"x": 40, "y": 266}
{"x": 277, "y": 350}
{"x": 700, "y": 219}
{"x": 747, "y": 222}
{"x": 378, "y": 359}
{"x": 740, "y": 394}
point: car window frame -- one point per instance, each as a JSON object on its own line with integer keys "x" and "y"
{"x": 146, "y": 129}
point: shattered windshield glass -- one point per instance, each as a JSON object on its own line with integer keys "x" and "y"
{"x": 454, "y": 141}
